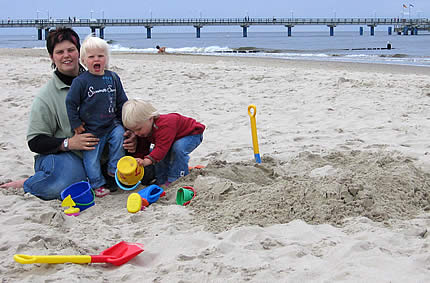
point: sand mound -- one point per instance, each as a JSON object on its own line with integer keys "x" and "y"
{"x": 315, "y": 188}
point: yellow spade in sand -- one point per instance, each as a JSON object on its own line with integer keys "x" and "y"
{"x": 72, "y": 210}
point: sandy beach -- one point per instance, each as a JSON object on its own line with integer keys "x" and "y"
{"x": 342, "y": 193}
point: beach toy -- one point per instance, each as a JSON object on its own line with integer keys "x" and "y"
{"x": 72, "y": 211}
{"x": 254, "y": 132}
{"x": 128, "y": 173}
{"x": 134, "y": 203}
{"x": 151, "y": 194}
{"x": 81, "y": 194}
{"x": 196, "y": 167}
{"x": 184, "y": 195}
{"x": 143, "y": 198}
{"x": 116, "y": 255}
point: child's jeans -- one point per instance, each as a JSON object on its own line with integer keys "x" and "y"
{"x": 175, "y": 163}
{"x": 115, "y": 139}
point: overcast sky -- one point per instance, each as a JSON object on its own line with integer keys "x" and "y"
{"x": 30, "y": 9}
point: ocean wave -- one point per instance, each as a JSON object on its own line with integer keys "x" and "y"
{"x": 317, "y": 55}
{"x": 181, "y": 50}
{"x": 395, "y": 55}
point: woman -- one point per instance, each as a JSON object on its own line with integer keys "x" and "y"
{"x": 58, "y": 163}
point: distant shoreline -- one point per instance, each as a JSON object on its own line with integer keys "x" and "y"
{"x": 352, "y": 66}
{"x": 344, "y": 46}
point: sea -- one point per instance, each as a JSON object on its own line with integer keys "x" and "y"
{"x": 345, "y": 45}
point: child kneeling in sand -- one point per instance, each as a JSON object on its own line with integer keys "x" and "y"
{"x": 94, "y": 103}
{"x": 174, "y": 137}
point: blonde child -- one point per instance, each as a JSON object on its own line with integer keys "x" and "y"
{"x": 94, "y": 103}
{"x": 174, "y": 137}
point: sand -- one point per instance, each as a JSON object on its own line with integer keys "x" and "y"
{"x": 342, "y": 193}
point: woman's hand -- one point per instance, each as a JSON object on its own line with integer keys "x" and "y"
{"x": 130, "y": 141}
{"x": 85, "y": 141}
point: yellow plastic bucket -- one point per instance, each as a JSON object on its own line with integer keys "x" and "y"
{"x": 128, "y": 172}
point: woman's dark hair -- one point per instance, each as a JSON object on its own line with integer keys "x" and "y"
{"x": 59, "y": 35}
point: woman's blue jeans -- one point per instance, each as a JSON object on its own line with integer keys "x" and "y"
{"x": 54, "y": 173}
{"x": 115, "y": 140}
{"x": 175, "y": 163}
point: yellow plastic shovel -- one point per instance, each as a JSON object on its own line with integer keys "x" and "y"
{"x": 117, "y": 255}
{"x": 254, "y": 131}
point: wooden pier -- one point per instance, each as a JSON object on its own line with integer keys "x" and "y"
{"x": 399, "y": 25}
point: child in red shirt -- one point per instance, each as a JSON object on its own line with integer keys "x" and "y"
{"x": 174, "y": 137}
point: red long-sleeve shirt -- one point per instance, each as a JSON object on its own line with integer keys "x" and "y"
{"x": 167, "y": 129}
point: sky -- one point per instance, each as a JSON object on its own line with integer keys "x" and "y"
{"x": 31, "y": 9}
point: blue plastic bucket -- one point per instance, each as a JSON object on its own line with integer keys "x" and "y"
{"x": 81, "y": 193}
{"x": 151, "y": 193}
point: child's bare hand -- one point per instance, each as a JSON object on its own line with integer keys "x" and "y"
{"x": 139, "y": 161}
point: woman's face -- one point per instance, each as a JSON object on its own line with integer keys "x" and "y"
{"x": 66, "y": 58}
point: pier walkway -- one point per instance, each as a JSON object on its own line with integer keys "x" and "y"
{"x": 399, "y": 25}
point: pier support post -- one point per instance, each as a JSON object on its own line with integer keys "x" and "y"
{"x": 39, "y": 34}
{"x": 289, "y": 28}
{"x": 331, "y": 30}
{"x": 102, "y": 33}
{"x": 244, "y": 31}
{"x": 198, "y": 27}
{"x": 148, "y": 31}
{"x": 390, "y": 30}
{"x": 372, "y": 30}
{"x": 93, "y": 30}
{"x": 415, "y": 30}
{"x": 405, "y": 30}
{"x": 46, "y": 33}
{"x": 361, "y": 30}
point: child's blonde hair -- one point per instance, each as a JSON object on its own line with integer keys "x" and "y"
{"x": 93, "y": 42}
{"x": 137, "y": 111}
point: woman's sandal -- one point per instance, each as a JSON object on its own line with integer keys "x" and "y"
{"x": 101, "y": 192}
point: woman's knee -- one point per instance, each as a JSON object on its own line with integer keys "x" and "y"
{"x": 54, "y": 173}
{"x": 46, "y": 187}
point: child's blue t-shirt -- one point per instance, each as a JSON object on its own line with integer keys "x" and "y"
{"x": 97, "y": 101}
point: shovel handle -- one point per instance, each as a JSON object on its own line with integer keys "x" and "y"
{"x": 28, "y": 259}
{"x": 252, "y": 111}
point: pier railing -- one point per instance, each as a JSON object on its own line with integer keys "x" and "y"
{"x": 37, "y": 23}
{"x": 401, "y": 25}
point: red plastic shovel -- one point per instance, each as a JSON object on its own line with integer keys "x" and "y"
{"x": 117, "y": 255}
